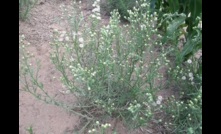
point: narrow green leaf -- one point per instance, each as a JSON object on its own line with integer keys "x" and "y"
{"x": 195, "y": 8}
{"x": 174, "y": 5}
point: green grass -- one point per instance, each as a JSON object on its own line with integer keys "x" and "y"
{"x": 30, "y": 130}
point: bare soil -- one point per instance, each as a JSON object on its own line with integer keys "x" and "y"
{"x": 45, "y": 119}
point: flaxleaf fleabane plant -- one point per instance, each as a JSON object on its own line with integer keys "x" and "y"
{"x": 111, "y": 70}
{"x": 185, "y": 112}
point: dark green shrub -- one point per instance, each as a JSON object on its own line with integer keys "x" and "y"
{"x": 182, "y": 13}
{"x": 121, "y": 5}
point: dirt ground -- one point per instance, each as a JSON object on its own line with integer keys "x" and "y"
{"x": 46, "y": 118}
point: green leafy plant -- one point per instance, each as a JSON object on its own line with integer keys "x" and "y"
{"x": 181, "y": 14}
{"x": 191, "y": 8}
{"x": 186, "y": 44}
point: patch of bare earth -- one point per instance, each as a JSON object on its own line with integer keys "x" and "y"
{"x": 45, "y": 119}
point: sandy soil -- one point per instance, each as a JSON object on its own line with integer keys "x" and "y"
{"x": 45, "y": 119}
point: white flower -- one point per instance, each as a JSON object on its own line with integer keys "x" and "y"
{"x": 56, "y": 30}
{"x": 94, "y": 10}
{"x": 81, "y": 40}
{"x": 65, "y": 92}
{"x": 160, "y": 98}
{"x": 68, "y": 92}
{"x": 189, "y": 61}
{"x": 60, "y": 39}
{"x": 191, "y": 78}
{"x": 190, "y": 74}
{"x": 200, "y": 25}
{"x": 158, "y": 102}
{"x": 198, "y": 54}
{"x": 93, "y": 16}
{"x": 143, "y": 27}
{"x": 81, "y": 45}
{"x": 62, "y": 35}
{"x": 93, "y": 74}
{"x": 97, "y": 9}
{"x": 184, "y": 78}
{"x": 74, "y": 33}
{"x": 189, "y": 15}
{"x": 67, "y": 38}
{"x": 63, "y": 32}
{"x": 73, "y": 37}
{"x": 103, "y": 125}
